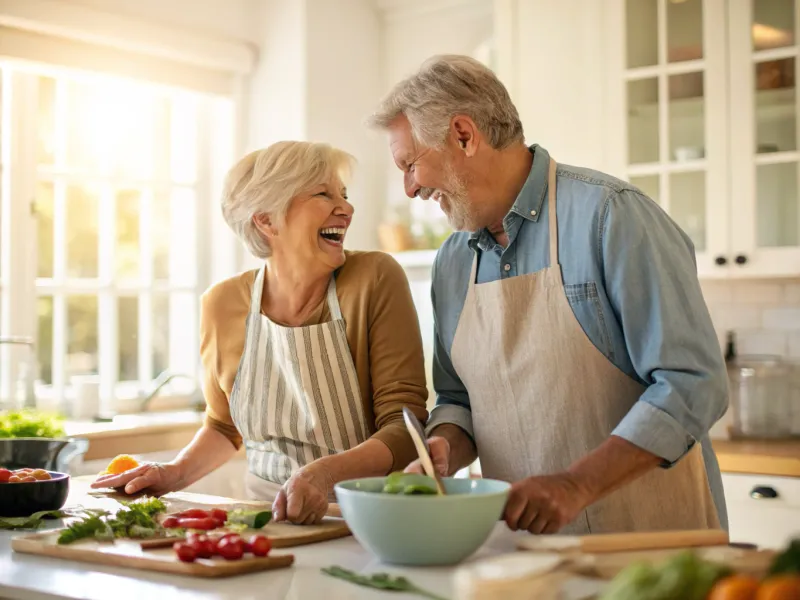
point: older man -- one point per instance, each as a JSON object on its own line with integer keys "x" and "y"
{"x": 574, "y": 353}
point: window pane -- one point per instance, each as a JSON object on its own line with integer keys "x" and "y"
{"x": 684, "y": 30}
{"x": 44, "y": 229}
{"x": 81, "y": 231}
{"x": 161, "y": 230}
{"x": 648, "y": 184}
{"x": 127, "y": 251}
{"x": 174, "y": 237}
{"x": 87, "y": 125}
{"x": 777, "y": 205}
{"x": 643, "y": 121}
{"x": 128, "y": 314}
{"x": 184, "y": 118}
{"x": 44, "y": 339}
{"x": 641, "y": 26}
{"x": 81, "y": 336}
{"x": 776, "y": 112}
{"x": 773, "y": 24}
{"x": 160, "y": 333}
{"x": 687, "y": 195}
{"x": 46, "y": 119}
{"x": 686, "y": 117}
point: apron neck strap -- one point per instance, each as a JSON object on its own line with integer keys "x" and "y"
{"x": 258, "y": 290}
{"x": 333, "y": 301}
{"x": 553, "y": 213}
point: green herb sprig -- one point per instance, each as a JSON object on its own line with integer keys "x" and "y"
{"x": 381, "y": 581}
{"x": 32, "y": 522}
{"x": 135, "y": 520}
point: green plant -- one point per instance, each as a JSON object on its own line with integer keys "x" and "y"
{"x": 30, "y": 423}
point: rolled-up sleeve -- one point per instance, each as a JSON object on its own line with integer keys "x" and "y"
{"x": 651, "y": 280}
{"x": 452, "y": 400}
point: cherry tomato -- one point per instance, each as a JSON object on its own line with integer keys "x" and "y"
{"x": 260, "y": 545}
{"x": 203, "y": 547}
{"x": 230, "y": 549}
{"x": 170, "y": 523}
{"x": 193, "y": 513}
{"x": 185, "y": 552}
{"x": 218, "y": 514}
{"x": 5, "y": 475}
{"x": 205, "y": 523}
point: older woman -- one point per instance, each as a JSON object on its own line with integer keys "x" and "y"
{"x": 310, "y": 359}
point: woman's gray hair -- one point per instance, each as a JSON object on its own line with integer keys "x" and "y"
{"x": 265, "y": 181}
{"x": 446, "y": 86}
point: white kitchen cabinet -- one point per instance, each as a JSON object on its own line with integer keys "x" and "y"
{"x": 694, "y": 101}
{"x": 762, "y": 510}
{"x": 703, "y": 94}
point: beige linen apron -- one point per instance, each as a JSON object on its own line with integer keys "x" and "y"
{"x": 296, "y": 395}
{"x": 542, "y": 396}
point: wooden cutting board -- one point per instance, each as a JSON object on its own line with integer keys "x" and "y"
{"x": 129, "y": 554}
{"x": 622, "y": 542}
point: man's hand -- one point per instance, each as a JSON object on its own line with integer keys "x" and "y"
{"x": 440, "y": 455}
{"x": 546, "y": 503}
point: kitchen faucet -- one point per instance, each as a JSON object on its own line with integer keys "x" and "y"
{"x": 163, "y": 379}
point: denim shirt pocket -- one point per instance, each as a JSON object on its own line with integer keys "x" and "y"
{"x": 585, "y": 305}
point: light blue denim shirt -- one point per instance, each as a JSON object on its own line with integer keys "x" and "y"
{"x": 630, "y": 277}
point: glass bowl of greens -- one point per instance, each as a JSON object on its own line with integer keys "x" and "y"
{"x": 403, "y": 521}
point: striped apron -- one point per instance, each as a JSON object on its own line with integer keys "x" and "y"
{"x": 296, "y": 395}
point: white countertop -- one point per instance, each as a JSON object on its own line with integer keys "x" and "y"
{"x": 27, "y": 577}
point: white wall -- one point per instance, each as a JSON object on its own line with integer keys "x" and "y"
{"x": 225, "y": 18}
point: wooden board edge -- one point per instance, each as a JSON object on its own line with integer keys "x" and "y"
{"x": 29, "y": 545}
{"x": 323, "y": 536}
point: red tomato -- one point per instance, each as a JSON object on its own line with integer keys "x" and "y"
{"x": 218, "y": 523}
{"x": 231, "y": 548}
{"x": 193, "y": 513}
{"x": 170, "y": 522}
{"x": 203, "y": 547}
{"x": 205, "y": 523}
{"x": 185, "y": 552}
{"x": 219, "y": 514}
{"x": 260, "y": 545}
{"x": 5, "y": 475}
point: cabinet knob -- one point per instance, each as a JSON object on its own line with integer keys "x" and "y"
{"x": 741, "y": 259}
{"x": 721, "y": 260}
{"x": 763, "y": 492}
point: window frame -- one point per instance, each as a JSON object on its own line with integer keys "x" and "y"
{"x": 20, "y": 288}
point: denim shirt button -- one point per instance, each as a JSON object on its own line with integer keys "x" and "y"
{"x": 533, "y": 213}
{"x": 507, "y": 267}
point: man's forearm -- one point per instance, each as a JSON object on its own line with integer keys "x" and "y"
{"x": 610, "y": 466}
{"x": 462, "y": 448}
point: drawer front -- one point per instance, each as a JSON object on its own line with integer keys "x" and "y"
{"x": 755, "y": 516}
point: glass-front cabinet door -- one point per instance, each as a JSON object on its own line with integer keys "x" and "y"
{"x": 673, "y": 93}
{"x": 763, "y": 70}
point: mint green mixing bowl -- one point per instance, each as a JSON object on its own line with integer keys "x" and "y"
{"x": 425, "y": 529}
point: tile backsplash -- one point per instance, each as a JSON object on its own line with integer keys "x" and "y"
{"x": 765, "y": 315}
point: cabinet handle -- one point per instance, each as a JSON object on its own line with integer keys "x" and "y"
{"x": 721, "y": 260}
{"x": 741, "y": 259}
{"x": 763, "y": 492}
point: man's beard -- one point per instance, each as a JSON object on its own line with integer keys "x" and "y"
{"x": 454, "y": 203}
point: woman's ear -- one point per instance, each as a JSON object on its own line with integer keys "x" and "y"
{"x": 264, "y": 224}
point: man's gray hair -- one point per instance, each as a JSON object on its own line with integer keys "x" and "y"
{"x": 446, "y": 86}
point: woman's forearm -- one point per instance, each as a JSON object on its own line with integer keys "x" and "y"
{"x": 371, "y": 458}
{"x": 208, "y": 451}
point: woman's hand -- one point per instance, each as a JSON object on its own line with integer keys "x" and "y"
{"x": 157, "y": 478}
{"x": 304, "y": 498}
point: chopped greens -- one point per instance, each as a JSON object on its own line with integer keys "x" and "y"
{"x": 135, "y": 520}
{"x": 380, "y": 581}
{"x": 408, "y": 484}
{"x": 253, "y": 519}
{"x": 32, "y": 522}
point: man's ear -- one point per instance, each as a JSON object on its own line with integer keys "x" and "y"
{"x": 465, "y": 133}
{"x": 264, "y": 224}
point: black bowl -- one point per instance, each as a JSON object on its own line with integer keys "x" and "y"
{"x": 50, "y": 454}
{"x": 24, "y": 499}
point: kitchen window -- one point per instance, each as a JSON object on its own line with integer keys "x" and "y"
{"x": 104, "y": 228}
